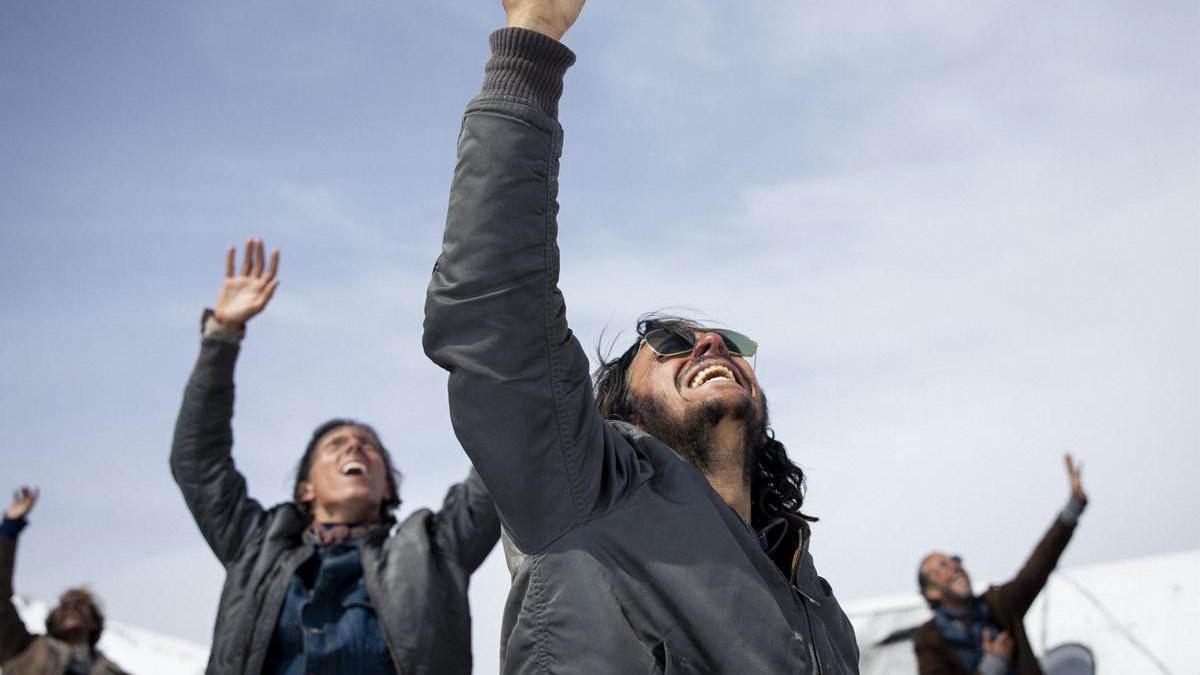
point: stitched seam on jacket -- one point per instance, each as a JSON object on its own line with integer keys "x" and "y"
{"x": 541, "y": 654}
{"x": 478, "y": 107}
{"x": 564, "y": 448}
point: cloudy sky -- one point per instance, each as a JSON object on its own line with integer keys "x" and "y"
{"x": 965, "y": 234}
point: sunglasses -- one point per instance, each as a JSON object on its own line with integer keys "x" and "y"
{"x": 673, "y": 342}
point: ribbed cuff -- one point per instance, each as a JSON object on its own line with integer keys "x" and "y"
{"x": 11, "y": 528}
{"x": 211, "y": 329}
{"x": 993, "y": 664}
{"x": 1071, "y": 512}
{"x": 528, "y": 65}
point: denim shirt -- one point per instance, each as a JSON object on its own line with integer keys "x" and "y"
{"x": 327, "y": 624}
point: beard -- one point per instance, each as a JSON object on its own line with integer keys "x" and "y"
{"x": 693, "y": 434}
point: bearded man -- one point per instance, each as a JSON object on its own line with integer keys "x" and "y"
{"x": 652, "y": 524}
{"x": 328, "y": 582}
{"x": 985, "y": 635}
{"x": 72, "y": 628}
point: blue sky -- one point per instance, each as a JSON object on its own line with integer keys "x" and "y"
{"x": 964, "y": 234}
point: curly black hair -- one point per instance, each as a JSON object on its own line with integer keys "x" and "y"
{"x": 777, "y": 485}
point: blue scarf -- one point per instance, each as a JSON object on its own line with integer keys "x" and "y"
{"x": 964, "y": 631}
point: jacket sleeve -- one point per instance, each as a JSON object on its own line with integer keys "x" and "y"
{"x": 1017, "y": 595}
{"x": 468, "y": 526}
{"x": 14, "y": 637}
{"x": 201, "y": 455}
{"x": 519, "y": 387}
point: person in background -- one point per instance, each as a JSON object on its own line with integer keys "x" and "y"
{"x": 327, "y": 582}
{"x": 72, "y": 628}
{"x": 985, "y": 634}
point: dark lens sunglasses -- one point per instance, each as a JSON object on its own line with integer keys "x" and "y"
{"x": 672, "y": 342}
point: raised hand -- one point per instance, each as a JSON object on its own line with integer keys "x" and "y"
{"x": 246, "y": 294}
{"x": 548, "y": 17}
{"x": 1002, "y": 644}
{"x": 1073, "y": 472}
{"x": 24, "y": 498}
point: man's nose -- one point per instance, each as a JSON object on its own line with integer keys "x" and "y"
{"x": 709, "y": 342}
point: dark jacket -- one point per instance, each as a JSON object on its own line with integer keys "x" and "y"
{"x": 416, "y": 576}
{"x": 625, "y": 560}
{"x": 1008, "y": 604}
{"x": 22, "y": 653}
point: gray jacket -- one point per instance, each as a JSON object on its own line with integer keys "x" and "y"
{"x": 624, "y": 559}
{"x": 416, "y": 575}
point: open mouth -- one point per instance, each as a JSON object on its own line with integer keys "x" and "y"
{"x": 714, "y": 373}
{"x": 354, "y": 469}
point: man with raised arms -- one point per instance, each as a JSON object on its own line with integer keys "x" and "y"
{"x": 652, "y": 522}
{"x": 985, "y": 634}
{"x": 72, "y": 628}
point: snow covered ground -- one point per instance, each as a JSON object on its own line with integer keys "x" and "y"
{"x": 1137, "y": 616}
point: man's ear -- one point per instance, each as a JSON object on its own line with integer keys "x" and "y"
{"x": 932, "y": 594}
{"x": 304, "y": 492}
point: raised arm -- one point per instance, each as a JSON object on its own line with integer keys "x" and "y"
{"x": 201, "y": 459}
{"x": 468, "y": 526}
{"x": 1020, "y": 593}
{"x": 520, "y": 390}
{"x": 14, "y": 637}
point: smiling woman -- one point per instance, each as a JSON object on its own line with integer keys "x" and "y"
{"x": 347, "y": 475}
{"x": 328, "y": 582}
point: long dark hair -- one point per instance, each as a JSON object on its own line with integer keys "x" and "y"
{"x": 776, "y": 484}
{"x": 394, "y": 477}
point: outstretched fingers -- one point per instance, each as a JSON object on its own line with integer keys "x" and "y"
{"x": 23, "y": 500}
{"x": 273, "y": 267}
{"x": 254, "y": 261}
{"x": 257, "y": 268}
{"x": 1075, "y": 476}
{"x": 1074, "y": 470}
{"x": 270, "y": 291}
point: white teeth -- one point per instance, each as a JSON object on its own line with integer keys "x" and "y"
{"x": 353, "y": 467}
{"x": 712, "y": 374}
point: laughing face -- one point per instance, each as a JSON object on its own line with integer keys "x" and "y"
{"x": 75, "y": 620}
{"x": 946, "y": 581}
{"x": 689, "y": 400}
{"x": 347, "y": 478}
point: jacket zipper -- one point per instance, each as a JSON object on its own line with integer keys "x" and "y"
{"x": 273, "y": 606}
{"x": 382, "y": 627}
{"x": 804, "y": 600}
